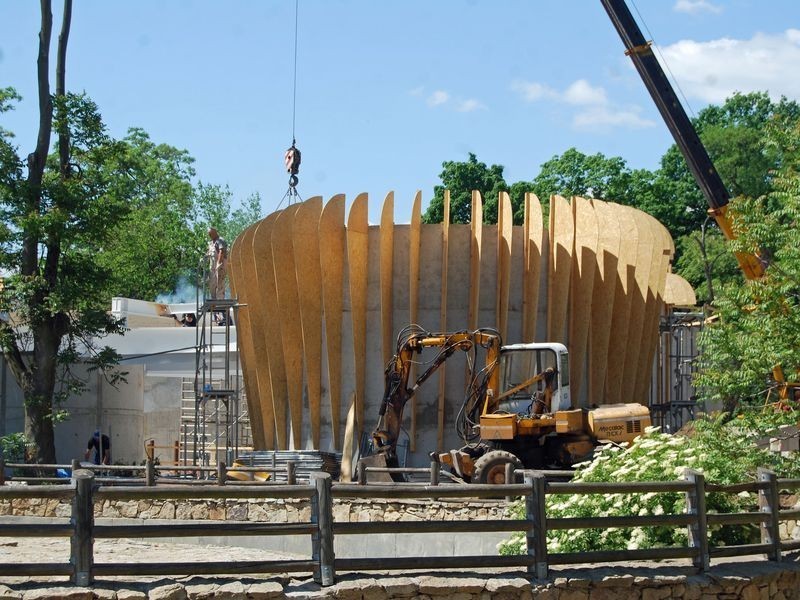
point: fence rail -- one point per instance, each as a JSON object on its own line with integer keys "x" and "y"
{"x": 83, "y": 491}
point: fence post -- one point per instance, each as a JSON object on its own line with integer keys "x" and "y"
{"x": 361, "y": 471}
{"x": 322, "y": 539}
{"x": 222, "y": 473}
{"x": 149, "y": 472}
{"x": 436, "y": 469}
{"x": 698, "y": 529}
{"x": 291, "y": 472}
{"x": 536, "y": 536}
{"x": 82, "y": 540}
{"x": 768, "y": 503}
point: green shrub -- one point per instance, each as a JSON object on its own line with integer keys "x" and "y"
{"x": 715, "y": 448}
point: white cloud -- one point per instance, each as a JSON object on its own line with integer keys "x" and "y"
{"x": 711, "y": 71}
{"x": 581, "y": 92}
{"x": 532, "y": 91}
{"x": 417, "y": 91}
{"x": 595, "y": 111}
{"x": 604, "y": 118}
{"x": 694, "y": 7}
{"x": 438, "y": 98}
{"x": 469, "y": 105}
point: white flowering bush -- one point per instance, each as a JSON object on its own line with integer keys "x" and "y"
{"x": 713, "y": 449}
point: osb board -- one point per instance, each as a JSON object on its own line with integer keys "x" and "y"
{"x": 267, "y": 302}
{"x": 414, "y": 243}
{"x": 332, "y": 253}
{"x": 257, "y": 319}
{"x": 658, "y": 274}
{"x": 623, "y": 290}
{"x": 305, "y": 241}
{"x": 290, "y": 320}
{"x": 584, "y": 259}
{"x": 504, "y": 229}
{"x": 679, "y": 292}
{"x": 636, "y": 333}
{"x": 605, "y": 282}
{"x": 357, "y": 257}
{"x": 533, "y": 228}
{"x": 244, "y": 334}
{"x": 562, "y": 236}
{"x": 386, "y": 276}
{"x": 443, "y": 317}
{"x": 476, "y": 228}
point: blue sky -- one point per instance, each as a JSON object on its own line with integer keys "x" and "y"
{"x": 387, "y": 91}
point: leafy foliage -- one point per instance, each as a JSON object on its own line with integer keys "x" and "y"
{"x": 758, "y": 324}
{"x": 723, "y": 451}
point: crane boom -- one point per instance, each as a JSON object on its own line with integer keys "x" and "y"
{"x": 679, "y": 125}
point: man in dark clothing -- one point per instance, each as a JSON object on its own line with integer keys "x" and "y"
{"x": 94, "y": 444}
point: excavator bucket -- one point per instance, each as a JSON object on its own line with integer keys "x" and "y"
{"x": 380, "y": 460}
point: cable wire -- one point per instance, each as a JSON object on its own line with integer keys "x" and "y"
{"x": 294, "y": 84}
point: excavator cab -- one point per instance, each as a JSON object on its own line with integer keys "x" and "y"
{"x": 521, "y": 390}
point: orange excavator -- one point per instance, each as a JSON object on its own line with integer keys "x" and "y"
{"x": 516, "y": 409}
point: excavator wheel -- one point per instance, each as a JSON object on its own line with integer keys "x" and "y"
{"x": 491, "y": 467}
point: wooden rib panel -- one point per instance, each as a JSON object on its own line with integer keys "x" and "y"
{"x": 476, "y": 228}
{"x": 414, "y": 241}
{"x": 505, "y": 225}
{"x": 257, "y": 318}
{"x": 305, "y": 242}
{"x": 605, "y": 283}
{"x": 584, "y": 259}
{"x": 443, "y": 318}
{"x": 332, "y": 253}
{"x": 290, "y": 320}
{"x": 386, "y": 275}
{"x": 357, "y": 257}
{"x": 562, "y": 235}
{"x": 644, "y": 253}
{"x": 533, "y": 228}
{"x": 623, "y": 291}
{"x": 658, "y": 277}
{"x": 244, "y": 333}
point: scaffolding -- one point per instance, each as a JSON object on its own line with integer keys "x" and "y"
{"x": 220, "y": 420}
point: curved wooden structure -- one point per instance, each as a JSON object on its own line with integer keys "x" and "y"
{"x": 323, "y": 302}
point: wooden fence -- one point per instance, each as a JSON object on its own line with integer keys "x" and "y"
{"x": 83, "y": 492}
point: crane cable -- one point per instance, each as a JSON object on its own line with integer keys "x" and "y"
{"x": 291, "y": 158}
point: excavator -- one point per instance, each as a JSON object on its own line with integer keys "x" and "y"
{"x": 516, "y": 409}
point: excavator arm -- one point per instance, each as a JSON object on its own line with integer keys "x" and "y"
{"x": 397, "y": 392}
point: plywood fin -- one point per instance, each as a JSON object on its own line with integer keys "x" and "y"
{"x": 562, "y": 235}
{"x": 386, "y": 276}
{"x": 636, "y": 332}
{"x": 605, "y": 281}
{"x": 443, "y": 318}
{"x": 584, "y": 259}
{"x": 623, "y": 294}
{"x": 357, "y": 257}
{"x": 533, "y": 228}
{"x": 290, "y": 320}
{"x": 305, "y": 242}
{"x": 504, "y": 231}
{"x": 332, "y": 254}
{"x": 476, "y": 229}
{"x": 414, "y": 241}
{"x": 244, "y": 333}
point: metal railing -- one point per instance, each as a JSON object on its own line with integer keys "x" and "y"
{"x": 83, "y": 492}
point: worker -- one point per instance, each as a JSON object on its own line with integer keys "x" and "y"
{"x": 218, "y": 261}
{"x": 95, "y": 443}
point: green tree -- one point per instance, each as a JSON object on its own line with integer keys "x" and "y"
{"x": 705, "y": 261}
{"x": 57, "y": 215}
{"x": 152, "y": 245}
{"x": 759, "y": 321}
{"x": 461, "y": 178}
